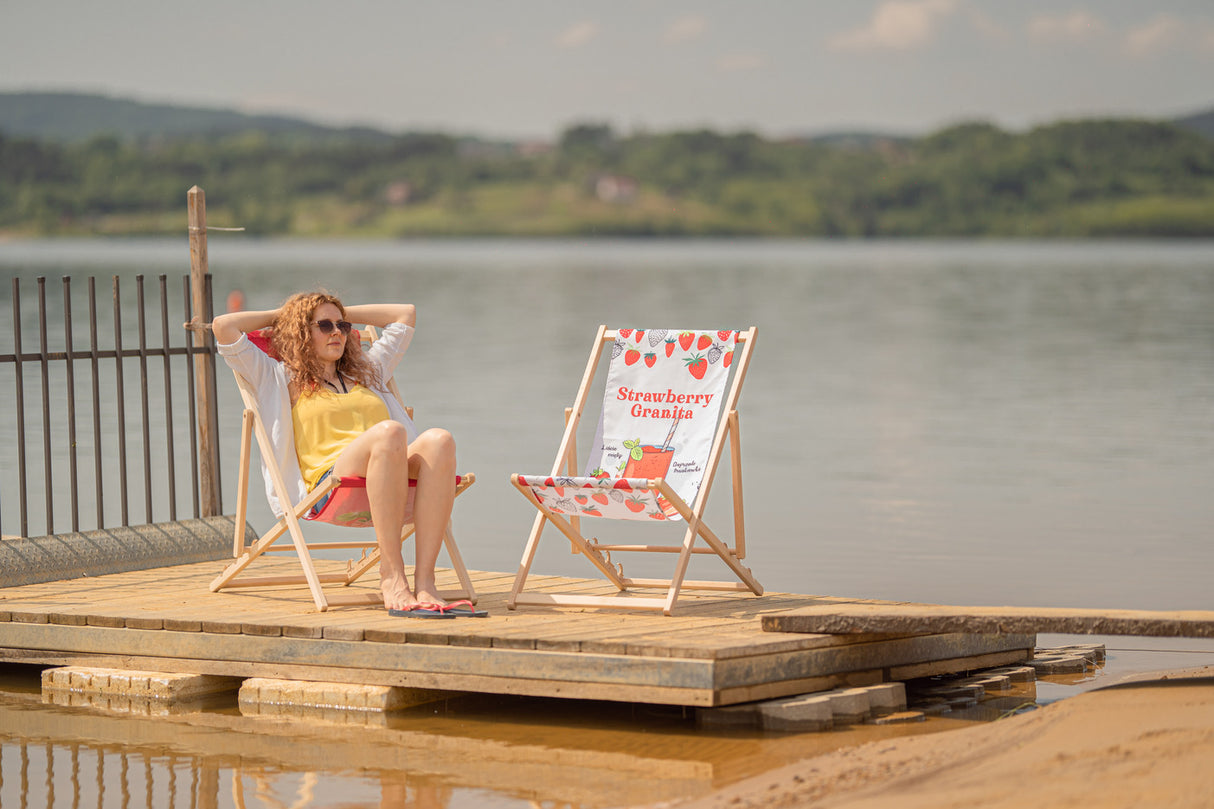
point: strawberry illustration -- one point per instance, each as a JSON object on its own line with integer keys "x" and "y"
{"x": 600, "y": 473}
{"x": 635, "y": 504}
{"x": 623, "y": 484}
{"x": 657, "y": 515}
{"x": 686, "y": 339}
{"x": 670, "y": 347}
{"x": 656, "y": 336}
{"x": 728, "y": 358}
{"x": 625, "y": 332}
{"x": 581, "y": 498}
{"x": 640, "y": 334}
{"x": 592, "y": 512}
{"x": 631, "y": 356}
{"x": 714, "y": 354}
{"x": 617, "y": 348}
{"x": 725, "y": 335}
{"x": 650, "y": 359}
{"x": 599, "y": 498}
{"x": 704, "y": 342}
{"x": 697, "y": 366}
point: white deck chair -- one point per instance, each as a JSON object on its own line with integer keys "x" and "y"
{"x": 666, "y": 417}
{"x": 347, "y": 506}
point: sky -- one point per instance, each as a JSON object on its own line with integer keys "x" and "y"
{"x": 530, "y": 68}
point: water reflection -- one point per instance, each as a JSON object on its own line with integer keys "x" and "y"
{"x": 81, "y": 751}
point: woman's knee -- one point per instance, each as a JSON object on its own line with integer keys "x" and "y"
{"x": 436, "y": 442}
{"x": 390, "y": 437}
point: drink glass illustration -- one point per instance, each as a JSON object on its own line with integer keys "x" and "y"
{"x": 654, "y": 462}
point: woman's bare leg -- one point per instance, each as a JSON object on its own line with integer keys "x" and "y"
{"x": 432, "y": 464}
{"x": 384, "y": 457}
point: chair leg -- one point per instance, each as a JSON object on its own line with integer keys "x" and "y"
{"x": 680, "y": 568}
{"x": 457, "y": 562}
{"x": 524, "y": 566}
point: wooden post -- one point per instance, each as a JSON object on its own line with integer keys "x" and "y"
{"x": 204, "y": 363}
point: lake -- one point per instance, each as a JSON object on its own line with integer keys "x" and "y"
{"x": 1002, "y": 423}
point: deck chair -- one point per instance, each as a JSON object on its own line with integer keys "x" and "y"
{"x": 661, "y": 432}
{"x": 347, "y": 506}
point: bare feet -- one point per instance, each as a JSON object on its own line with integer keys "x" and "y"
{"x": 398, "y": 596}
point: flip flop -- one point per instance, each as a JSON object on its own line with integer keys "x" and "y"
{"x": 422, "y": 610}
{"x": 456, "y": 609}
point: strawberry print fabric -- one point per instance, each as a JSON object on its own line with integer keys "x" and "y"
{"x": 618, "y": 498}
{"x": 661, "y": 406}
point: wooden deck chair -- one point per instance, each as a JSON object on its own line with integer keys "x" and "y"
{"x": 347, "y": 505}
{"x": 661, "y": 433}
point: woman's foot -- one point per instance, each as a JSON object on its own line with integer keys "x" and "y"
{"x": 398, "y": 596}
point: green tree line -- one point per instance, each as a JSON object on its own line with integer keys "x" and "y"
{"x": 1070, "y": 179}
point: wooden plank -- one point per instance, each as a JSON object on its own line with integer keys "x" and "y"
{"x": 934, "y": 618}
{"x": 750, "y": 671}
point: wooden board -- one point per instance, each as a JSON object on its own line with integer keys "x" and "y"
{"x": 933, "y": 618}
{"x": 712, "y": 652}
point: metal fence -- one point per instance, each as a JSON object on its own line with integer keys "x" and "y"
{"x": 69, "y": 426}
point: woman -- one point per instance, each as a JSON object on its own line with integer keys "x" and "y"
{"x": 346, "y": 423}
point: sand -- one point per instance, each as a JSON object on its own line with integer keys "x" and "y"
{"x": 1145, "y": 743}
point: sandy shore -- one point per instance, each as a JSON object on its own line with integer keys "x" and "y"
{"x": 1147, "y": 743}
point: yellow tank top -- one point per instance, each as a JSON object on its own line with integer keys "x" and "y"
{"x": 326, "y": 422}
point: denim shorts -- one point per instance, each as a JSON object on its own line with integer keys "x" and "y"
{"x": 320, "y": 506}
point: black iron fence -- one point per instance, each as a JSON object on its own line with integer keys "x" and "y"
{"x": 71, "y": 397}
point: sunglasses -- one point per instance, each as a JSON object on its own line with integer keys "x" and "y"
{"x": 327, "y": 326}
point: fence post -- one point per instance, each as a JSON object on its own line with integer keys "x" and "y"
{"x": 204, "y": 362}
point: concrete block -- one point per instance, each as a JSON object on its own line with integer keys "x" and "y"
{"x": 55, "y": 679}
{"x": 1071, "y": 664}
{"x": 140, "y": 684}
{"x": 1017, "y": 674}
{"x": 340, "y": 696}
{"x": 849, "y": 705}
{"x": 1094, "y": 652}
{"x": 899, "y": 718}
{"x": 989, "y": 682}
{"x": 886, "y": 698}
{"x": 932, "y": 707}
{"x": 955, "y": 691}
{"x": 814, "y": 712}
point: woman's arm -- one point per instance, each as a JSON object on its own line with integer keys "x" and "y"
{"x": 381, "y": 314}
{"x": 228, "y": 328}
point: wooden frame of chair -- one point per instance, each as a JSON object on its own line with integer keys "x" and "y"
{"x": 289, "y": 523}
{"x": 600, "y": 554}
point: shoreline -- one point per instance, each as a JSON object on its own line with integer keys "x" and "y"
{"x": 1146, "y": 740}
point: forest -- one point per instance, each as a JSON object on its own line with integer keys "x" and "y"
{"x": 1084, "y": 178}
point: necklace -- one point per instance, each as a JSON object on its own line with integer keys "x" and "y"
{"x": 334, "y": 387}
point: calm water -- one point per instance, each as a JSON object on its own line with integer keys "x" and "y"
{"x": 982, "y": 423}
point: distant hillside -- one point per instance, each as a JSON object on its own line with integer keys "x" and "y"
{"x": 76, "y": 117}
{"x": 1079, "y": 178}
{"x": 1202, "y": 122}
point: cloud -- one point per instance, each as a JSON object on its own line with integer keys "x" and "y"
{"x": 897, "y": 25}
{"x": 740, "y": 61}
{"x": 1156, "y": 35}
{"x": 685, "y": 29}
{"x": 1074, "y": 27}
{"x": 578, "y": 34}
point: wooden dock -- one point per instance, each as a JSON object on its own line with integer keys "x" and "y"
{"x": 713, "y": 651}
{"x": 870, "y": 617}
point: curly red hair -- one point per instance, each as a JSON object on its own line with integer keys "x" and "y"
{"x": 292, "y": 340}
